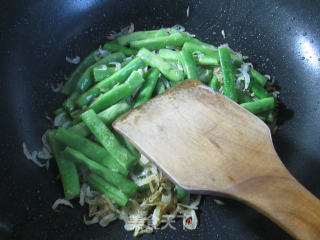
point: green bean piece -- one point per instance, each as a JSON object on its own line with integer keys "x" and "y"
{"x": 125, "y": 185}
{"x": 189, "y": 65}
{"x": 210, "y": 52}
{"x": 90, "y": 149}
{"x": 258, "y": 90}
{"x": 118, "y": 93}
{"x": 71, "y": 83}
{"x": 243, "y": 97}
{"x": 169, "y": 71}
{"x": 106, "y": 84}
{"x": 176, "y": 40}
{"x": 86, "y": 78}
{"x": 68, "y": 172}
{"x": 236, "y": 60}
{"x": 149, "y": 85}
{"x": 58, "y": 111}
{"x": 169, "y": 55}
{"x": 99, "y": 184}
{"x": 258, "y": 77}
{"x": 107, "y": 139}
{"x": 229, "y": 83}
{"x": 259, "y": 106}
{"x": 205, "y": 75}
{"x": 180, "y": 193}
{"x": 214, "y": 83}
{"x": 69, "y": 103}
{"x": 101, "y": 72}
{"x": 205, "y": 60}
{"x": 107, "y": 116}
{"x": 140, "y": 35}
{"x": 76, "y": 113}
{"x": 160, "y": 87}
{"x": 113, "y": 47}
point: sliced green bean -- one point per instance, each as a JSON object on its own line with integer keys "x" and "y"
{"x": 205, "y": 60}
{"x": 258, "y": 90}
{"x": 205, "y": 75}
{"x": 169, "y": 55}
{"x": 259, "y": 106}
{"x": 69, "y": 103}
{"x": 140, "y": 35}
{"x": 189, "y": 65}
{"x": 71, "y": 83}
{"x": 99, "y": 184}
{"x": 119, "y": 48}
{"x": 126, "y": 143}
{"x": 106, "y": 84}
{"x": 229, "y": 87}
{"x": 258, "y": 77}
{"x": 118, "y": 93}
{"x": 210, "y": 52}
{"x": 149, "y": 85}
{"x": 68, "y": 172}
{"x": 180, "y": 193}
{"x": 107, "y": 139}
{"x": 107, "y": 116}
{"x": 86, "y": 78}
{"x": 169, "y": 71}
{"x": 90, "y": 149}
{"x": 125, "y": 185}
{"x": 101, "y": 72}
{"x": 214, "y": 83}
{"x": 176, "y": 40}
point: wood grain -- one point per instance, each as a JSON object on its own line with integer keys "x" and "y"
{"x": 206, "y": 143}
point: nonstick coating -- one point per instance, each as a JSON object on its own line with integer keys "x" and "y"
{"x": 282, "y": 38}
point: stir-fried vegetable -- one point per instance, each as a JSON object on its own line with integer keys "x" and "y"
{"x": 124, "y": 74}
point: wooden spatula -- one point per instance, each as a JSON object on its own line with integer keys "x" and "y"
{"x": 208, "y": 144}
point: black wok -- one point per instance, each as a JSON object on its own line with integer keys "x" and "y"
{"x": 282, "y": 38}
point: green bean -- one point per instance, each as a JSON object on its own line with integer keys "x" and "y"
{"x": 189, "y": 64}
{"x": 259, "y": 106}
{"x": 69, "y": 103}
{"x": 127, "y": 144}
{"x": 160, "y": 87}
{"x": 107, "y": 116}
{"x": 229, "y": 87}
{"x": 205, "y": 60}
{"x": 118, "y": 93}
{"x": 68, "y": 172}
{"x": 106, "y": 84}
{"x": 164, "y": 67}
{"x": 86, "y": 78}
{"x": 176, "y": 40}
{"x": 119, "y": 48}
{"x": 90, "y": 149}
{"x": 99, "y": 184}
{"x": 107, "y": 139}
{"x": 71, "y": 83}
{"x": 258, "y": 90}
{"x": 243, "y": 97}
{"x": 169, "y": 55}
{"x": 140, "y": 35}
{"x": 205, "y": 75}
{"x": 76, "y": 113}
{"x": 258, "y": 77}
{"x": 210, "y": 52}
{"x": 180, "y": 193}
{"x": 102, "y": 72}
{"x": 125, "y": 185}
{"x": 214, "y": 83}
{"x": 146, "y": 91}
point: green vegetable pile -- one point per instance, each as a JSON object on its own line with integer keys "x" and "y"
{"x": 124, "y": 74}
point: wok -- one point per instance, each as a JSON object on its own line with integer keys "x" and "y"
{"x": 282, "y": 38}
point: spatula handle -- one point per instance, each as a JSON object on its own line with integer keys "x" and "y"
{"x": 285, "y": 201}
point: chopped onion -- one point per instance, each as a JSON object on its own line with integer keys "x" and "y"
{"x": 219, "y": 202}
{"x": 107, "y": 219}
{"x": 244, "y": 70}
{"x": 94, "y": 220}
{"x": 74, "y": 60}
{"x": 61, "y": 201}
{"x": 223, "y": 33}
{"x": 188, "y": 11}
{"x": 179, "y": 27}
